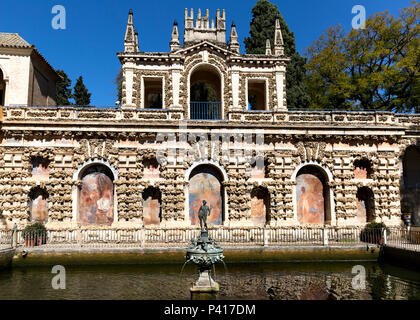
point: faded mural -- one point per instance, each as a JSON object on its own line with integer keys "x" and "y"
{"x": 205, "y": 186}
{"x": 40, "y": 170}
{"x": 258, "y": 207}
{"x": 151, "y": 206}
{"x": 360, "y": 173}
{"x": 96, "y": 205}
{"x": 365, "y": 205}
{"x": 361, "y": 210}
{"x": 38, "y": 205}
{"x": 258, "y": 172}
{"x": 310, "y": 199}
{"x": 151, "y": 169}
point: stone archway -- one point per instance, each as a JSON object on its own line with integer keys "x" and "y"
{"x": 313, "y": 195}
{"x": 206, "y": 184}
{"x": 205, "y": 93}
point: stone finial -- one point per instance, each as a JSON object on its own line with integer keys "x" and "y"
{"x": 278, "y": 40}
{"x": 233, "y": 43}
{"x": 175, "y": 44}
{"x": 221, "y": 20}
{"x": 189, "y": 19}
{"x": 268, "y": 47}
{"x": 130, "y": 39}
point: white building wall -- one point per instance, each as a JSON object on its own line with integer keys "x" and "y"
{"x": 16, "y": 72}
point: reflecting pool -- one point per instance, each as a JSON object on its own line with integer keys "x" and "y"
{"x": 291, "y": 281}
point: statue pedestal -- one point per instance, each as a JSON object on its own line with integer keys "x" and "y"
{"x": 205, "y": 283}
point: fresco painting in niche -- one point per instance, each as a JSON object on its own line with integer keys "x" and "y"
{"x": 205, "y": 186}
{"x": 96, "y": 200}
{"x": 259, "y": 203}
{"x": 361, "y": 210}
{"x": 39, "y": 206}
{"x": 40, "y": 170}
{"x": 151, "y": 207}
{"x": 151, "y": 169}
{"x": 258, "y": 172}
{"x": 310, "y": 199}
{"x": 360, "y": 173}
{"x": 257, "y": 210}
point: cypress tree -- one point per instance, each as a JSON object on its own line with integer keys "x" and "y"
{"x": 81, "y": 95}
{"x": 262, "y": 26}
{"x": 63, "y": 89}
{"x": 118, "y": 81}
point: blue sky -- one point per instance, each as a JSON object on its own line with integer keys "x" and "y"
{"x": 95, "y": 29}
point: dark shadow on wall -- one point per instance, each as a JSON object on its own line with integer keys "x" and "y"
{"x": 410, "y": 181}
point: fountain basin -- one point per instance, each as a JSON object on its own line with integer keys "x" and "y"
{"x": 204, "y": 254}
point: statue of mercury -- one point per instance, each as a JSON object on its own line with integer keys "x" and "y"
{"x": 203, "y": 212}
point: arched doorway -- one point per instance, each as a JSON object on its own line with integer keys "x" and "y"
{"x": 410, "y": 191}
{"x": 2, "y": 89}
{"x": 260, "y": 206}
{"x": 365, "y": 205}
{"x": 96, "y": 195}
{"x": 205, "y": 184}
{"x": 152, "y": 198}
{"x": 205, "y": 93}
{"x": 312, "y": 196}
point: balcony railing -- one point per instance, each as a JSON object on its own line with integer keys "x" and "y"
{"x": 205, "y": 110}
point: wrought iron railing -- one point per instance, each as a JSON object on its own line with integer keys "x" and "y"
{"x": 180, "y": 237}
{"x": 6, "y": 238}
{"x": 406, "y": 238}
{"x": 205, "y": 110}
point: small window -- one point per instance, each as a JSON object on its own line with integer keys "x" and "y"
{"x": 153, "y": 93}
{"x": 257, "y": 95}
{"x": 363, "y": 169}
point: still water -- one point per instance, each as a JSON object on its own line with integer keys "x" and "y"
{"x": 304, "y": 281}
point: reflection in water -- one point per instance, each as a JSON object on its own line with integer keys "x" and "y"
{"x": 242, "y": 281}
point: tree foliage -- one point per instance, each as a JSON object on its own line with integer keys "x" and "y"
{"x": 63, "y": 89}
{"x": 118, "y": 82}
{"x": 375, "y": 68}
{"x": 262, "y": 27}
{"x": 81, "y": 94}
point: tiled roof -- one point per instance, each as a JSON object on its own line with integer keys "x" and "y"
{"x": 12, "y": 40}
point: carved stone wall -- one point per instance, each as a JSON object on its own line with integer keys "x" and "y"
{"x": 68, "y": 151}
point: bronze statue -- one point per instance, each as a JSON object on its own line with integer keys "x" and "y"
{"x": 203, "y": 212}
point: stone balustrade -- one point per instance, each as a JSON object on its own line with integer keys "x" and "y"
{"x": 180, "y": 237}
{"x": 114, "y": 114}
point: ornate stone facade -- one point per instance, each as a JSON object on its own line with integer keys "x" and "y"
{"x": 122, "y": 142}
